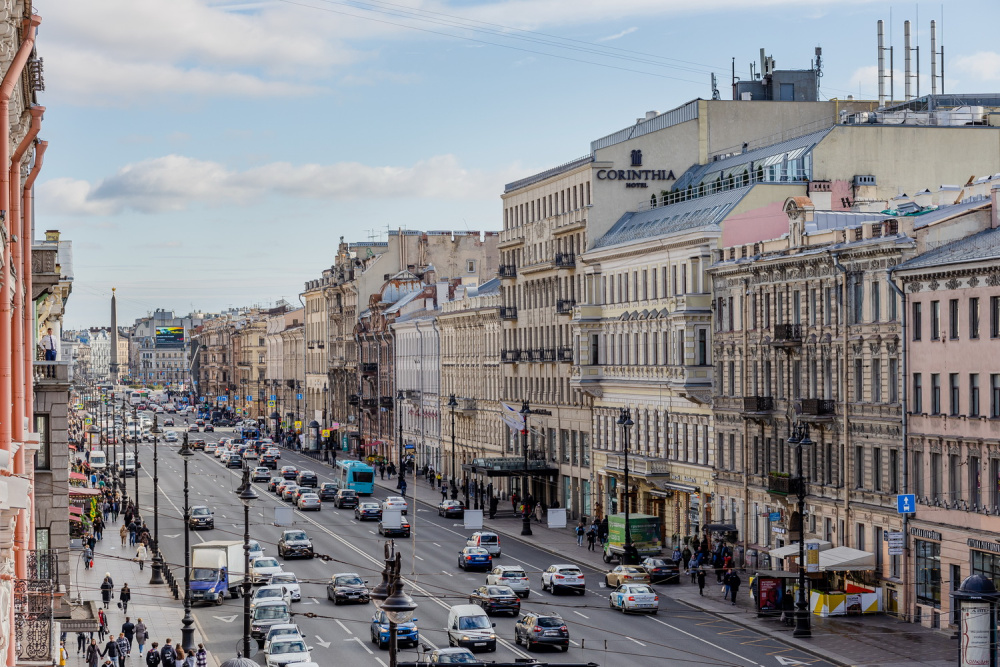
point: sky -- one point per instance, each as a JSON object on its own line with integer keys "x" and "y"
{"x": 206, "y": 154}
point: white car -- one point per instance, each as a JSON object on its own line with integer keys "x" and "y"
{"x": 564, "y": 576}
{"x": 211, "y": 447}
{"x": 281, "y": 630}
{"x": 261, "y": 569}
{"x": 271, "y": 592}
{"x": 290, "y": 582}
{"x": 256, "y": 551}
{"x": 395, "y": 503}
{"x": 219, "y": 451}
{"x": 512, "y": 576}
{"x": 635, "y": 597}
{"x": 171, "y": 436}
{"x": 275, "y": 452}
{"x": 288, "y": 651}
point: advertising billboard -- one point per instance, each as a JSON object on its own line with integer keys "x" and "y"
{"x": 170, "y": 336}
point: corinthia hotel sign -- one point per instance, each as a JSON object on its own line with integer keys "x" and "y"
{"x": 636, "y": 178}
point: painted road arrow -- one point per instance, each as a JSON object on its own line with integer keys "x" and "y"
{"x": 226, "y": 619}
{"x": 322, "y": 643}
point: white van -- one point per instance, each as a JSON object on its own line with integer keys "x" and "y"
{"x": 470, "y": 627}
{"x": 127, "y": 468}
{"x": 98, "y": 460}
{"x": 488, "y": 541}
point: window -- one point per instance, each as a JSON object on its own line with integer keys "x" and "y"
{"x": 828, "y": 307}
{"x": 918, "y": 393}
{"x": 893, "y": 380}
{"x": 858, "y": 298}
{"x": 860, "y": 536}
{"x": 876, "y": 301}
{"x": 994, "y": 395}
{"x": 877, "y": 547}
{"x": 937, "y": 476}
{"x": 953, "y": 319}
{"x": 917, "y": 476}
{"x": 877, "y": 469}
{"x": 994, "y": 482}
{"x": 893, "y": 471}
{"x": 973, "y": 394}
{"x": 470, "y": 266}
{"x": 702, "y": 347}
{"x": 995, "y": 317}
{"x": 935, "y": 393}
{"x": 859, "y": 467}
{"x": 812, "y": 307}
{"x": 917, "y": 320}
{"x": 796, "y": 307}
{"x": 928, "y": 571}
{"x": 953, "y": 394}
{"x": 43, "y": 456}
{"x": 876, "y": 380}
{"x": 767, "y": 310}
{"x": 859, "y": 377}
{"x": 732, "y": 378}
{"x": 893, "y": 305}
{"x": 986, "y": 564}
{"x": 935, "y": 320}
{"x": 974, "y": 317}
{"x": 732, "y": 452}
{"x": 975, "y": 482}
{"x": 954, "y": 477}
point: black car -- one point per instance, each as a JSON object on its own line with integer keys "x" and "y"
{"x": 272, "y": 485}
{"x": 234, "y": 462}
{"x": 307, "y": 478}
{"x": 289, "y": 472}
{"x": 295, "y": 543}
{"x": 201, "y": 517}
{"x": 345, "y": 498}
{"x": 368, "y": 510}
{"x": 451, "y": 508}
{"x": 496, "y": 600}
{"x": 541, "y": 629}
{"x": 328, "y": 490}
{"x": 347, "y": 587}
{"x": 402, "y": 531}
{"x": 209, "y": 428}
{"x": 662, "y": 571}
{"x": 269, "y": 461}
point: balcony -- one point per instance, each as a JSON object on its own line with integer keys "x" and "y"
{"x": 758, "y": 404}
{"x": 369, "y": 368}
{"x": 508, "y": 271}
{"x": 787, "y": 335}
{"x": 354, "y": 400}
{"x": 565, "y": 355}
{"x": 508, "y": 312}
{"x": 565, "y": 306}
{"x": 510, "y": 356}
{"x": 565, "y": 260}
{"x": 386, "y": 402}
{"x": 547, "y": 354}
{"x": 818, "y": 407}
{"x": 53, "y": 373}
{"x": 780, "y": 484}
{"x": 466, "y": 407}
{"x": 369, "y": 403}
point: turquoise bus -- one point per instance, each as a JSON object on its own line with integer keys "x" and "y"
{"x": 356, "y": 475}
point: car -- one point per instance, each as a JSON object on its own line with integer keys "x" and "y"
{"x": 564, "y": 576}
{"x": 249, "y": 454}
{"x": 209, "y": 428}
{"x": 197, "y": 443}
{"x": 171, "y": 436}
{"x": 269, "y": 460}
{"x": 395, "y": 503}
{"x": 451, "y": 508}
{"x": 193, "y": 428}
{"x": 272, "y": 483}
{"x": 476, "y": 558}
{"x": 661, "y": 570}
{"x": 290, "y": 582}
{"x": 406, "y": 633}
{"x": 274, "y": 451}
{"x": 347, "y": 587}
{"x": 496, "y": 600}
{"x": 346, "y": 498}
{"x": 199, "y": 422}
{"x": 534, "y": 629}
{"x": 211, "y": 447}
{"x": 299, "y": 492}
{"x": 368, "y": 510}
{"x": 294, "y": 543}
{"x": 256, "y": 551}
{"x": 288, "y": 630}
{"x": 289, "y": 472}
{"x": 328, "y": 490}
{"x": 287, "y": 652}
{"x": 201, "y": 517}
{"x": 307, "y": 478}
{"x": 270, "y": 592}
{"x": 264, "y": 616}
{"x": 309, "y": 501}
{"x": 262, "y": 568}
{"x": 288, "y": 492}
{"x": 261, "y": 474}
{"x": 280, "y": 488}
{"x": 453, "y": 656}
{"x": 626, "y": 574}
{"x": 403, "y": 530}
{"x": 220, "y": 450}
{"x": 168, "y": 422}
{"x": 234, "y": 462}
{"x": 634, "y": 597}
{"x": 512, "y": 576}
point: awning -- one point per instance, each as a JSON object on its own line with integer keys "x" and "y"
{"x": 792, "y": 550}
{"x": 80, "y": 491}
{"x": 75, "y": 513}
{"x": 844, "y": 559}
{"x": 685, "y": 488}
{"x": 78, "y": 475}
{"x": 720, "y": 528}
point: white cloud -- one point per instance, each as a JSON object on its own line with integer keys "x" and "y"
{"x": 176, "y": 182}
{"x": 618, "y": 35}
{"x": 983, "y": 65}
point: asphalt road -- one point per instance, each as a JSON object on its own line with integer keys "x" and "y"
{"x": 678, "y": 635}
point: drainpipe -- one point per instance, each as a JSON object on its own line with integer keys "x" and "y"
{"x": 904, "y": 406}
{"x": 746, "y": 426}
{"x": 842, "y": 324}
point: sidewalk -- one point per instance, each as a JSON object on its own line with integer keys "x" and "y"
{"x": 875, "y": 640}
{"x": 155, "y": 605}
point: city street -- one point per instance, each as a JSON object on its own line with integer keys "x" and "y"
{"x": 678, "y": 635}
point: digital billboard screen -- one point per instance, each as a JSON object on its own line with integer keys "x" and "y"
{"x": 169, "y": 336}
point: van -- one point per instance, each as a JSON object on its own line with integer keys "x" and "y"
{"x": 98, "y": 460}
{"x": 470, "y": 627}
{"x": 488, "y": 541}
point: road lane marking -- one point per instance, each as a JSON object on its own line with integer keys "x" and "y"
{"x": 319, "y": 640}
{"x": 436, "y": 544}
{"x": 315, "y": 601}
{"x": 346, "y": 629}
{"x": 363, "y": 645}
{"x": 701, "y": 639}
{"x": 579, "y": 614}
{"x": 447, "y": 572}
{"x": 417, "y": 557}
{"x": 381, "y": 661}
{"x": 635, "y": 640}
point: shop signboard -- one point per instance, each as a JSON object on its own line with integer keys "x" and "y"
{"x": 975, "y": 634}
{"x": 812, "y": 557}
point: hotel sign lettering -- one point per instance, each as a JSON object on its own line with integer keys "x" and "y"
{"x": 636, "y": 178}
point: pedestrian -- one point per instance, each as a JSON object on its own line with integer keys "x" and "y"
{"x": 93, "y": 654}
{"x": 107, "y": 591}
{"x": 98, "y": 528}
{"x": 123, "y": 648}
{"x": 132, "y": 531}
{"x": 181, "y": 657}
{"x": 102, "y": 624}
{"x": 402, "y": 487}
{"x": 167, "y": 655}
{"x": 695, "y": 566}
{"x": 591, "y": 538}
{"x": 734, "y": 585}
{"x": 141, "y": 554}
{"x": 579, "y": 534}
{"x": 701, "y": 582}
{"x": 111, "y": 649}
{"x": 115, "y": 506}
{"x": 63, "y": 654}
{"x": 81, "y": 643}
{"x": 106, "y": 509}
{"x": 153, "y": 657}
{"x": 444, "y": 492}
{"x": 128, "y": 629}
{"x": 123, "y": 532}
{"x": 91, "y": 541}
{"x": 88, "y": 558}
{"x": 381, "y": 470}
{"x": 725, "y": 585}
{"x": 124, "y": 596}
{"x": 676, "y": 557}
{"x": 201, "y": 657}
{"x": 513, "y": 501}
{"x": 686, "y": 557}
{"x": 140, "y": 635}
{"x": 189, "y": 659}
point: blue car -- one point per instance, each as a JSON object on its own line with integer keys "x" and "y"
{"x": 476, "y": 558}
{"x": 405, "y": 632}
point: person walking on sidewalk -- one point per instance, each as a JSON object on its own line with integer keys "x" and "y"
{"x": 93, "y": 654}
{"x": 111, "y": 649}
{"x": 444, "y": 492}
{"x": 123, "y": 648}
{"x": 167, "y": 655}
{"x": 591, "y": 538}
{"x": 153, "y": 657}
{"x": 124, "y": 596}
{"x": 81, "y": 643}
{"x": 123, "y": 532}
{"x": 701, "y": 582}
{"x": 141, "y": 554}
{"x": 128, "y": 629}
{"x": 63, "y": 654}
{"x": 102, "y": 624}
{"x": 734, "y": 585}
{"x": 201, "y": 657}
{"x": 88, "y": 557}
{"x": 107, "y": 591}
{"x": 140, "y": 635}
{"x": 579, "y": 534}
{"x": 181, "y": 655}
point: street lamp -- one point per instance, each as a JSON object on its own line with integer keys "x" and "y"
{"x": 157, "y": 569}
{"x": 187, "y": 623}
{"x": 135, "y": 454}
{"x": 246, "y": 496}
{"x": 452, "y": 403}
{"x": 388, "y": 597}
{"x": 800, "y": 440}
{"x": 399, "y": 421}
{"x": 525, "y": 517}
{"x": 629, "y": 555}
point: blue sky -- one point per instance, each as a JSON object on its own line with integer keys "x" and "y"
{"x": 210, "y": 153}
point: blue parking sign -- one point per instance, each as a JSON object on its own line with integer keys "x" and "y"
{"x": 249, "y": 399}
{"x": 272, "y": 397}
{"x": 906, "y": 503}
{"x": 298, "y": 397}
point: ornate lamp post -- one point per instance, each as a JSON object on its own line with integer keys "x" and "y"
{"x": 247, "y": 495}
{"x": 399, "y": 421}
{"x": 157, "y": 568}
{"x": 525, "y": 517}
{"x": 630, "y": 556}
{"x": 452, "y": 404}
{"x": 800, "y": 440}
{"x": 187, "y": 623}
{"x": 388, "y": 597}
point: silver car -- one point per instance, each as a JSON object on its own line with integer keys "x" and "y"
{"x": 288, "y": 493}
{"x": 309, "y": 501}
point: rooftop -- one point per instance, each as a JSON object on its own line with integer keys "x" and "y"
{"x": 981, "y": 246}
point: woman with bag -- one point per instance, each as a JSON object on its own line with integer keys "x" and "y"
{"x": 140, "y": 555}
{"x": 140, "y": 635}
{"x": 107, "y": 592}
{"x": 102, "y": 624}
{"x": 88, "y": 558}
{"x": 93, "y": 654}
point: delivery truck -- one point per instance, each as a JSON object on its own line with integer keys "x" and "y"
{"x": 644, "y": 530}
{"x": 217, "y": 568}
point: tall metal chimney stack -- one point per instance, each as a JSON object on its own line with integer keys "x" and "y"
{"x": 881, "y": 64}
{"x": 906, "y": 50}
{"x": 114, "y": 337}
{"x": 933, "y": 57}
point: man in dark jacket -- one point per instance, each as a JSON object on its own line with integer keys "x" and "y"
{"x": 167, "y": 655}
{"x": 111, "y": 649}
{"x": 128, "y": 629}
{"x": 734, "y": 585}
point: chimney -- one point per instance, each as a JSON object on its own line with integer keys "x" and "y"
{"x": 906, "y": 59}
{"x": 995, "y": 201}
{"x": 881, "y": 64}
{"x": 933, "y": 57}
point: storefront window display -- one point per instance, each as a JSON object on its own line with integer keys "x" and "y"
{"x": 928, "y": 566}
{"x": 986, "y": 564}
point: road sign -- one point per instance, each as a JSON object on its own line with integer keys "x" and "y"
{"x": 88, "y": 421}
{"x": 222, "y": 399}
{"x": 270, "y": 404}
{"x": 272, "y": 398}
{"x": 774, "y": 516}
{"x": 896, "y": 543}
{"x": 906, "y": 503}
{"x": 298, "y": 397}
{"x": 298, "y": 426}
{"x": 249, "y": 399}
{"x": 325, "y": 433}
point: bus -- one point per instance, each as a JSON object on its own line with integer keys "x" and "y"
{"x": 138, "y": 396}
{"x": 356, "y": 475}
